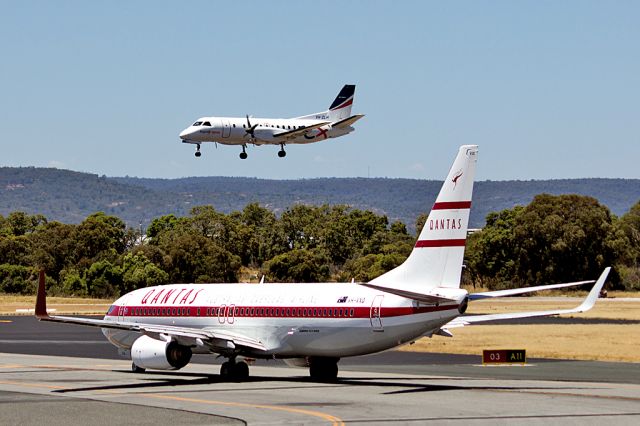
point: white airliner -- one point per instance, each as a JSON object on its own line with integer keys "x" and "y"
{"x": 334, "y": 122}
{"x": 313, "y": 325}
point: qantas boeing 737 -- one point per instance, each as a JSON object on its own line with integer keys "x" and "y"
{"x": 314, "y": 325}
{"x": 332, "y": 123}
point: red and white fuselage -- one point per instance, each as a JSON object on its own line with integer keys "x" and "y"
{"x": 291, "y": 320}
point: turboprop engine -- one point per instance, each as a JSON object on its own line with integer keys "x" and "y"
{"x": 159, "y": 355}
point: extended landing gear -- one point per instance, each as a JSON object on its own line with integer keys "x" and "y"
{"x": 232, "y": 370}
{"x": 323, "y": 369}
{"x": 136, "y": 369}
{"x": 282, "y": 152}
{"x": 243, "y": 154}
{"x": 198, "y": 153}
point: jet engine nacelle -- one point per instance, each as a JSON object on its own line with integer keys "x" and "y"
{"x": 159, "y": 355}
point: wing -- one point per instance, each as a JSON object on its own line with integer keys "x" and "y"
{"x": 586, "y": 304}
{"x": 347, "y": 121}
{"x": 216, "y": 341}
{"x": 290, "y": 134}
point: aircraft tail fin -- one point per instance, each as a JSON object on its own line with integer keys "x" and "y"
{"x": 340, "y": 108}
{"x": 436, "y": 259}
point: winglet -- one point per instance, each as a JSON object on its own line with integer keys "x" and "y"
{"x": 41, "y": 298}
{"x": 591, "y": 298}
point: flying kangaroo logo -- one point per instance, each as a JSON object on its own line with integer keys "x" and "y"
{"x": 455, "y": 178}
{"x": 321, "y": 132}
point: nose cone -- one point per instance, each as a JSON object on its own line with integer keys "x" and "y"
{"x": 185, "y": 134}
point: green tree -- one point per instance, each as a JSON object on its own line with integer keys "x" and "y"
{"x": 139, "y": 272}
{"x": 299, "y": 265}
{"x": 553, "y": 239}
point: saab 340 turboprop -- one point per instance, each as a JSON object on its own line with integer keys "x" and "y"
{"x": 314, "y": 325}
{"x": 332, "y": 123}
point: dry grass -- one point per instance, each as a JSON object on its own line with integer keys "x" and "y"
{"x": 602, "y": 342}
{"x": 9, "y": 303}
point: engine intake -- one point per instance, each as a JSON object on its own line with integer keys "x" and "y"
{"x": 159, "y": 355}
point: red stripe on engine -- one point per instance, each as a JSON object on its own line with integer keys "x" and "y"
{"x": 450, "y": 205}
{"x": 441, "y": 243}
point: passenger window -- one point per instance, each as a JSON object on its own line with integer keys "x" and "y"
{"x": 234, "y": 125}
{"x": 351, "y": 312}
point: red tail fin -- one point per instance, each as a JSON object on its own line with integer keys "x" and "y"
{"x": 41, "y": 298}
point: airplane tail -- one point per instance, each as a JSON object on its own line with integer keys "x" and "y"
{"x": 436, "y": 259}
{"x": 340, "y": 108}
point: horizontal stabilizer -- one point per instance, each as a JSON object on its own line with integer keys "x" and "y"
{"x": 420, "y": 297}
{"x": 347, "y": 121}
{"x": 586, "y": 304}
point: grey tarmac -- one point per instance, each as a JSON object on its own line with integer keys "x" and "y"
{"x": 49, "y": 372}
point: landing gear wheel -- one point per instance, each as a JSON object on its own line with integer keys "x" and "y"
{"x": 136, "y": 369}
{"x": 324, "y": 369}
{"x": 282, "y": 152}
{"x": 243, "y": 155}
{"x": 240, "y": 371}
{"x": 225, "y": 369}
{"x": 198, "y": 153}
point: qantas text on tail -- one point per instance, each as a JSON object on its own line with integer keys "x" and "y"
{"x": 332, "y": 123}
{"x": 313, "y": 325}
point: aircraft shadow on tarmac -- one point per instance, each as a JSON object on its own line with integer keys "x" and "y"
{"x": 191, "y": 379}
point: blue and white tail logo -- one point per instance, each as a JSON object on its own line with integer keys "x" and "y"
{"x": 341, "y": 106}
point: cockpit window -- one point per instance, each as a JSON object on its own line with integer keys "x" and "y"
{"x": 197, "y": 123}
{"x": 206, "y": 123}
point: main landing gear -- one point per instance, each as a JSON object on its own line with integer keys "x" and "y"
{"x": 323, "y": 369}
{"x": 243, "y": 154}
{"x": 232, "y": 370}
{"x": 282, "y": 152}
{"x": 198, "y": 153}
{"x": 136, "y": 369}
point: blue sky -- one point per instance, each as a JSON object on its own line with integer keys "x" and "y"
{"x": 547, "y": 89}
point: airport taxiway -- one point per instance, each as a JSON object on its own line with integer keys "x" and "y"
{"x": 69, "y": 375}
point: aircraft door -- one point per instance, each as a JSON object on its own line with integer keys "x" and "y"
{"x": 222, "y": 314}
{"x": 375, "y": 313}
{"x": 122, "y": 310}
{"x": 226, "y": 128}
{"x": 231, "y": 314}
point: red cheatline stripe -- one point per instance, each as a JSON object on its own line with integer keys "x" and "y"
{"x": 267, "y": 311}
{"x": 450, "y": 205}
{"x": 441, "y": 243}
{"x": 346, "y": 104}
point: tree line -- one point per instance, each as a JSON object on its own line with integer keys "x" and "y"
{"x": 553, "y": 239}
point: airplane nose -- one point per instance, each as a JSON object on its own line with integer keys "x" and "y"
{"x": 184, "y": 134}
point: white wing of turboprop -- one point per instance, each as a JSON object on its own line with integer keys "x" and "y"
{"x": 586, "y": 304}
{"x": 292, "y": 134}
{"x": 217, "y": 341}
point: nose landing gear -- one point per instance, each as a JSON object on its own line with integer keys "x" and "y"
{"x": 282, "y": 152}
{"x": 198, "y": 153}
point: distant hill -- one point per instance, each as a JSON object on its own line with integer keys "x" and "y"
{"x": 69, "y": 196}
